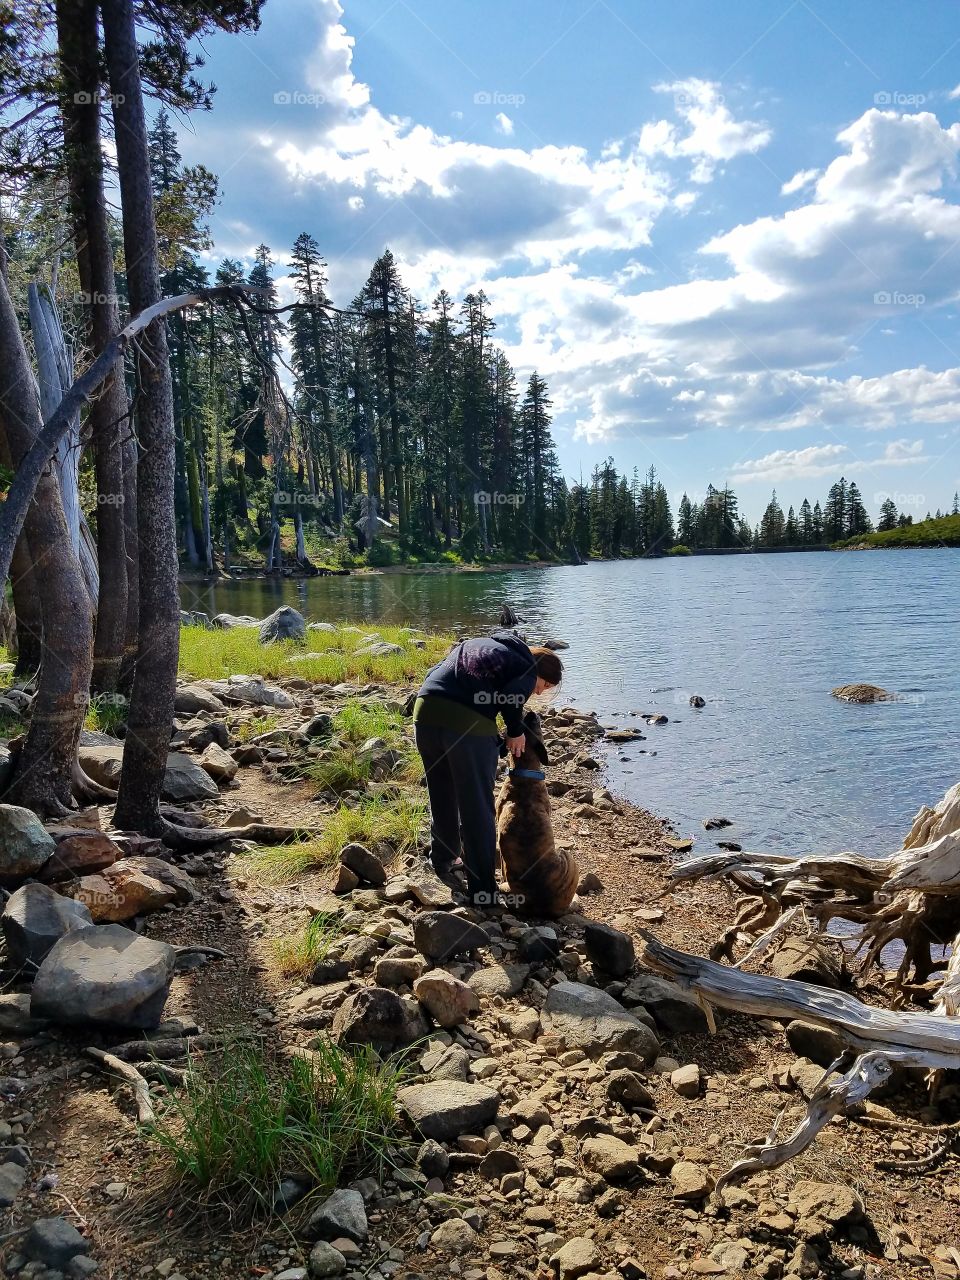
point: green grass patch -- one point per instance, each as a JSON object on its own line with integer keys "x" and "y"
{"x": 245, "y": 1120}
{"x": 107, "y": 713}
{"x": 944, "y": 532}
{"x": 345, "y": 766}
{"x": 326, "y": 656}
{"x": 296, "y": 954}
{"x": 10, "y": 725}
{"x": 397, "y": 819}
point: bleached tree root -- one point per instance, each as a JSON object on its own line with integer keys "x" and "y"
{"x": 141, "y": 1090}
{"x": 833, "y": 1096}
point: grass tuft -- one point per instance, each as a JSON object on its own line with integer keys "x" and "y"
{"x": 245, "y": 1120}
{"x": 297, "y": 954}
{"x": 107, "y": 713}
{"x": 397, "y": 819}
{"x": 344, "y": 766}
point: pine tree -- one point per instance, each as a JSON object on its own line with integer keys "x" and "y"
{"x": 685, "y": 526}
{"x": 835, "y": 512}
{"x": 791, "y": 536}
{"x": 772, "y": 524}
{"x": 312, "y": 349}
{"x": 806, "y": 533}
{"x": 539, "y": 454}
{"x": 856, "y": 519}
{"x": 888, "y": 515}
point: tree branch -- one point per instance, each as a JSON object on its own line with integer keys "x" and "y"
{"x": 30, "y": 466}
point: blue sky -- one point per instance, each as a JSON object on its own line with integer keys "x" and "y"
{"x": 727, "y": 234}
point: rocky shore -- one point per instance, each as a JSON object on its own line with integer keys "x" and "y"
{"x": 562, "y": 1112}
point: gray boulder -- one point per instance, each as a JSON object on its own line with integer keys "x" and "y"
{"x": 54, "y": 1242}
{"x": 25, "y": 844}
{"x": 319, "y": 726}
{"x": 104, "y": 975}
{"x": 446, "y": 1109}
{"x": 35, "y": 918}
{"x": 377, "y": 649}
{"x": 15, "y": 1018}
{"x": 12, "y": 1178}
{"x": 183, "y": 779}
{"x": 609, "y": 950}
{"x": 341, "y": 1215}
{"x": 586, "y": 1018}
{"x": 192, "y": 698}
{"x": 438, "y": 935}
{"x": 251, "y": 691}
{"x": 228, "y": 621}
{"x": 674, "y": 1010}
{"x": 374, "y": 1016}
{"x": 195, "y": 618}
{"x": 363, "y": 863}
{"x": 283, "y": 624}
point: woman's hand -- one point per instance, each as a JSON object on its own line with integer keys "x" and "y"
{"x": 517, "y": 746}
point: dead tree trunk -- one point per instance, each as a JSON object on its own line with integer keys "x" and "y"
{"x": 43, "y": 777}
{"x": 154, "y": 684}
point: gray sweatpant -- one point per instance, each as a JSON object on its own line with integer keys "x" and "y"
{"x": 461, "y": 770}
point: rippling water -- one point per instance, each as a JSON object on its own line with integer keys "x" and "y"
{"x": 762, "y": 638}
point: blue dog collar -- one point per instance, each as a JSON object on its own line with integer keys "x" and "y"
{"x": 537, "y": 774}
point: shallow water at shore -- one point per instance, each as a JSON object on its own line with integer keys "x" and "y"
{"x": 762, "y": 638}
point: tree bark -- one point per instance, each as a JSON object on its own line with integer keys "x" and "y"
{"x": 155, "y": 678}
{"x": 43, "y": 775}
{"x": 78, "y": 48}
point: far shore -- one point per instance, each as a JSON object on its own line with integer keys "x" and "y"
{"x": 244, "y": 574}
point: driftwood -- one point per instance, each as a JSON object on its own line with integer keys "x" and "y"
{"x": 881, "y": 1038}
{"x": 915, "y": 1039}
{"x": 909, "y": 896}
{"x": 833, "y": 1096}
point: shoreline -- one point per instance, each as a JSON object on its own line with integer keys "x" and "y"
{"x": 197, "y": 577}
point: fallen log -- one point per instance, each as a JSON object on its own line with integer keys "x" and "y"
{"x": 915, "y": 1039}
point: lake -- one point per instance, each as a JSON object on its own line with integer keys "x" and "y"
{"x": 763, "y": 638}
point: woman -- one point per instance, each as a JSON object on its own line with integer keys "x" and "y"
{"x": 455, "y": 722}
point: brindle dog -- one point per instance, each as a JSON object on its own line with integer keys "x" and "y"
{"x": 542, "y": 876}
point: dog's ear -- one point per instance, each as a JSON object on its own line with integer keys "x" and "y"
{"x": 531, "y": 727}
